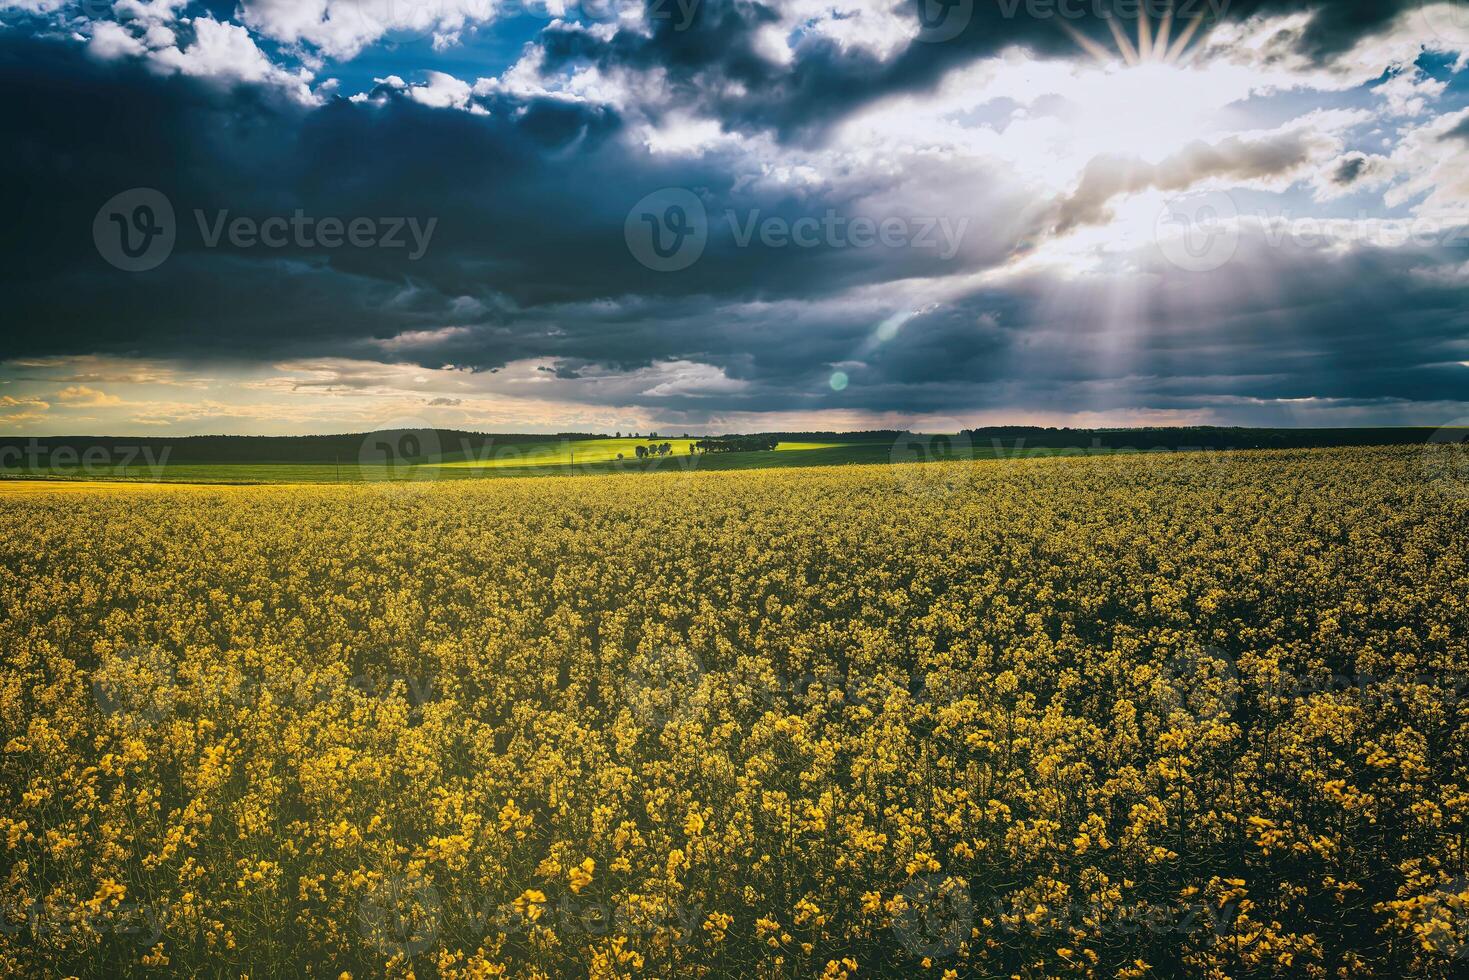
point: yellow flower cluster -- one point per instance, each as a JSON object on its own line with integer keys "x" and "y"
{"x": 1044, "y": 718}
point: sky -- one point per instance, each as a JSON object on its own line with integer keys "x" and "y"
{"x": 312, "y": 216}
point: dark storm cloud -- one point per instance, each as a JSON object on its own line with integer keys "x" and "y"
{"x": 1360, "y": 326}
{"x": 1335, "y": 24}
{"x": 529, "y": 199}
{"x": 1459, "y": 132}
{"x": 713, "y": 60}
{"x": 1363, "y": 328}
{"x": 1349, "y": 169}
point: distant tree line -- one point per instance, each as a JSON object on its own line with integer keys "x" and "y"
{"x": 1021, "y": 437}
{"x": 737, "y": 444}
{"x": 653, "y": 452}
{"x": 448, "y": 443}
{"x": 454, "y": 444}
{"x": 884, "y": 437}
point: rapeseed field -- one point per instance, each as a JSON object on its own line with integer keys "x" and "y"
{"x": 1133, "y": 717}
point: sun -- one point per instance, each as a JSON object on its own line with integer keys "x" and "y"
{"x": 1144, "y": 99}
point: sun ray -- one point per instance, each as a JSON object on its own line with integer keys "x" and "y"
{"x": 1091, "y": 47}
{"x": 1165, "y": 31}
{"x": 1144, "y": 36}
{"x": 1183, "y": 39}
{"x": 1124, "y": 43}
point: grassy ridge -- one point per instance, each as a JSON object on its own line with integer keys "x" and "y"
{"x": 547, "y": 459}
{"x": 445, "y": 455}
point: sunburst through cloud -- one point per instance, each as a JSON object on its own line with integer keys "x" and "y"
{"x": 1154, "y": 44}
